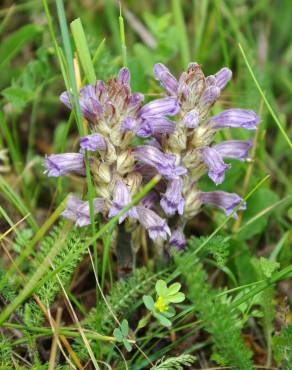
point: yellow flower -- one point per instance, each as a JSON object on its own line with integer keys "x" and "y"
{"x": 161, "y": 305}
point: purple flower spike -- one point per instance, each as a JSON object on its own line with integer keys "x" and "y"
{"x": 164, "y": 107}
{"x": 121, "y": 199}
{"x": 172, "y": 200}
{"x": 79, "y": 211}
{"x": 191, "y": 119}
{"x": 124, "y": 76}
{"x": 164, "y": 163}
{"x": 93, "y": 142}
{"x": 166, "y": 79}
{"x": 155, "y": 225}
{"x": 61, "y": 164}
{"x": 215, "y": 164}
{"x": 178, "y": 239}
{"x": 226, "y": 201}
{"x": 234, "y": 149}
{"x": 222, "y": 77}
{"x": 241, "y": 118}
{"x": 155, "y": 125}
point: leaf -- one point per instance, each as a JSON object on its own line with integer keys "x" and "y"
{"x": 118, "y": 335}
{"x": 13, "y": 43}
{"x": 149, "y": 302}
{"x": 125, "y": 327}
{"x": 127, "y": 345}
{"x": 258, "y": 202}
{"x": 18, "y": 96}
{"x": 161, "y": 288}
{"x": 268, "y": 267}
{"x": 173, "y": 288}
{"x": 177, "y": 298}
{"x": 162, "y": 319}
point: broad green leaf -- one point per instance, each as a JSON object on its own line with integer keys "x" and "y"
{"x": 118, "y": 335}
{"x": 127, "y": 345}
{"x": 161, "y": 288}
{"x": 162, "y": 319}
{"x": 149, "y": 302}
{"x": 125, "y": 327}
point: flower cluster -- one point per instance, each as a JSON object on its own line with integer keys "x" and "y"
{"x": 177, "y": 135}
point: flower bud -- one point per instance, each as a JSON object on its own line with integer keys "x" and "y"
{"x": 125, "y": 162}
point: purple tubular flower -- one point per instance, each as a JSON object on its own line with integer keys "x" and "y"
{"x": 215, "y": 164}
{"x": 93, "y": 142}
{"x": 61, "y": 164}
{"x": 172, "y": 200}
{"x": 210, "y": 95}
{"x": 79, "y": 211}
{"x": 124, "y": 76}
{"x": 222, "y": 77}
{"x": 166, "y": 79}
{"x": 155, "y": 125}
{"x": 164, "y": 163}
{"x": 135, "y": 101}
{"x": 191, "y": 119}
{"x": 89, "y": 105}
{"x": 150, "y": 199}
{"x": 121, "y": 199}
{"x": 241, "y": 118}
{"x": 165, "y": 107}
{"x": 226, "y": 201}
{"x": 128, "y": 124}
{"x": 234, "y": 149}
{"x": 155, "y": 225}
{"x": 178, "y": 239}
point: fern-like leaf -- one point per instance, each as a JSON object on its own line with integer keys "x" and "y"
{"x": 216, "y": 316}
{"x": 175, "y": 363}
{"x": 67, "y": 260}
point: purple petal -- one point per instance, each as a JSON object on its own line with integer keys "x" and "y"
{"x": 223, "y": 77}
{"x": 135, "y": 101}
{"x": 121, "y": 199}
{"x": 150, "y": 199}
{"x": 178, "y": 239}
{"x": 93, "y": 142}
{"x": 215, "y": 164}
{"x": 155, "y": 125}
{"x": 234, "y": 149}
{"x": 128, "y": 124}
{"x": 240, "y": 118}
{"x": 172, "y": 200}
{"x": 124, "y": 76}
{"x": 155, "y": 225}
{"x": 64, "y": 98}
{"x": 79, "y": 211}
{"x": 209, "y": 96}
{"x": 226, "y": 201}
{"x": 191, "y": 119}
{"x": 164, "y": 163}
{"x": 166, "y": 79}
{"x": 165, "y": 107}
{"x": 61, "y": 164}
